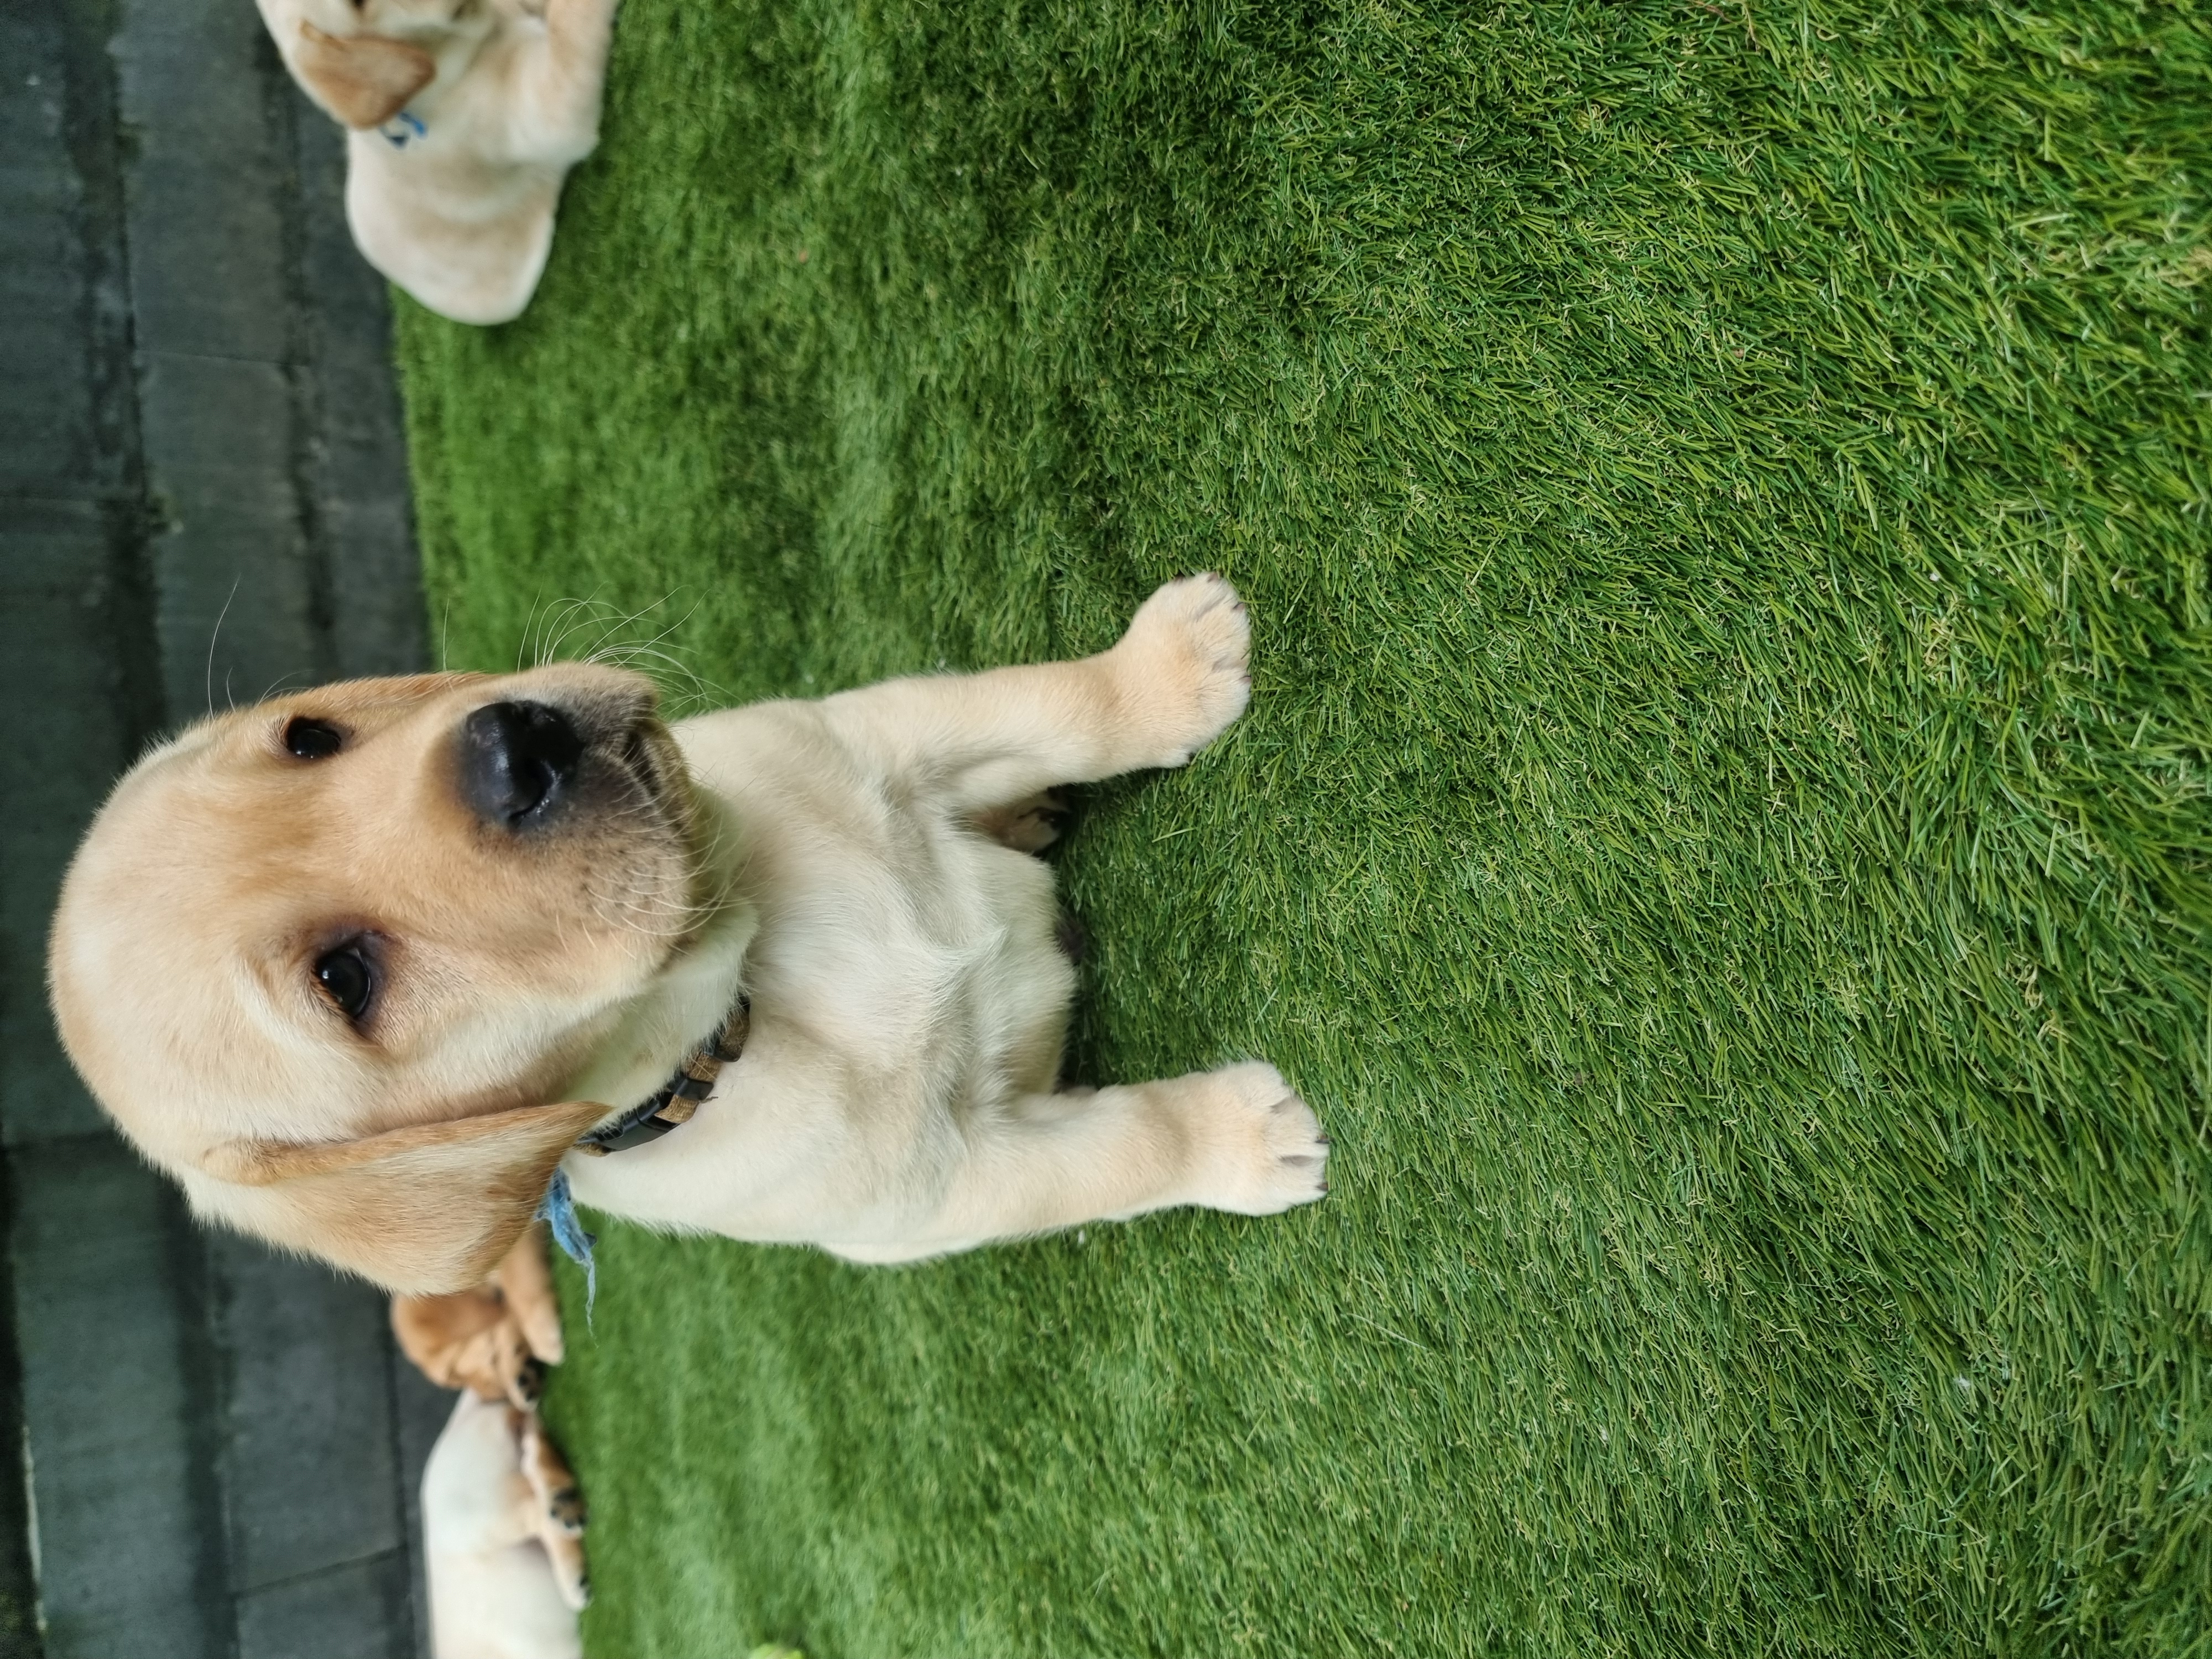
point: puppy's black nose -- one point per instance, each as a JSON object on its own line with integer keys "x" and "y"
{"x": 517, "y": 761}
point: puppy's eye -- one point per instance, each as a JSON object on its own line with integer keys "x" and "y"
{"x": 312, "y": 739}
{"x": 347, "y": 978}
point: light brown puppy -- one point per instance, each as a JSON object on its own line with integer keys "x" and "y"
{"x": 495, "y": 1339}
{"x": 464, "y": 118}
{"x": 359, "y": 965}
{"x": 502, "y": 1538}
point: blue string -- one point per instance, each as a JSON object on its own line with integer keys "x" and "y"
{"x": 558, "y": 1210}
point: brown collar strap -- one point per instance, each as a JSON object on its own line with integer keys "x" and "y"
{"x": 672, "y": 1104}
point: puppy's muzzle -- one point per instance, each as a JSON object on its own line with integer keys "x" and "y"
{"x": 518, "y": 763}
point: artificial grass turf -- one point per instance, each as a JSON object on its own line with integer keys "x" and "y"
{"x": 1720, "y": 836}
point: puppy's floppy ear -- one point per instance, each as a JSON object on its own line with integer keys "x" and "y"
{"x": 363, "y": 79}
{"x": 429, "y": 1209}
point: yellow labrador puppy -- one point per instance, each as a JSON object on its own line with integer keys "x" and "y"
{"x": 502, "y": 1538}
{"x": 464, "y": 116}
{"x": 366, "y": 968}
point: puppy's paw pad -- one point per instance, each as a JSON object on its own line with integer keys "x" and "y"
{"x": 1189, "y": 647}
{"x": 1028, "y": 825}
{"x": 527, "y": 1386}
{"x": 565, "y": 1508}
{"x": 1273, "y": 1154}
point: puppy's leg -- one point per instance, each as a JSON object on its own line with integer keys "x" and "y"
{"x": 450, "y": 1338}
{"x": 525, "y": 1279}
{"x": 557, "y": 86}
{"x": 499, "y": 1364}
{"x": 1238, "y": 1139}
{"x": 557, "y": 1513}
{"x": 479, "y": 1339}
{"x": 1174, "y": 682}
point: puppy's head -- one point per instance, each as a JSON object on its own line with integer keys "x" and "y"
{"x": 361, "y": 60}
{"x": 326, "y": 959}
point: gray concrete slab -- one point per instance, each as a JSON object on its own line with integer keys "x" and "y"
{"x": 336, "y": 1614}
{"x": 208, "y": 182}
{"x": 56, "y": 664}
{"x": 224, "y": 1444}
{"x": 364, "y": 509}
{"x": 129, "y": 1520}
{"x": 64, "y": 324}
{"x": 45, "y": 420}
{"x": 232, "y": 568}
{"x": 306, "y": 1375}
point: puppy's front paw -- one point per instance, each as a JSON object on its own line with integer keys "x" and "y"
{"x": 564, "y": 1507}
{"x": 560, "y": 1499}
{"x": 526, "y": 1386}
{"x": 1184, "y": 674}
{"x": 1267, "y": 1150}
{"x": 561, "y": 1514}
{"x": 570, "y": 1575}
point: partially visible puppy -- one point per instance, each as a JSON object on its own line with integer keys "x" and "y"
{"x": 502, "y": 1518}
{"x": 495, "y": 1340}
{"x": 465, "y": 117}
{"x": 502, "y": 1538}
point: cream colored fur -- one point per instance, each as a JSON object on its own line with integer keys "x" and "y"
{"x": 502, "y": 1536}
{"x": 898, "y": 1096}
{"x": 506, "y": 94}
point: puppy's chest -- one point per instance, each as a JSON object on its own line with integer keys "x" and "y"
{"x": 911, "y": 944}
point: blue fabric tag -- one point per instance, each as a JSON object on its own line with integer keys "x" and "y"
{"x": 558, "y": 1210}
{"x": 401, "y": 128}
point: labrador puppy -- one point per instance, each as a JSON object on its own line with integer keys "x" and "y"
{"x": 366, "y": 968}
{"x": 502, "y": 1538}
{"x": 463, "y": 118}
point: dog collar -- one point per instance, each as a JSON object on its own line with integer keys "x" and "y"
{"x": 672, "y": 1105}
{"x": 667, "y": 1108}
{"x": 403, "y": 129}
